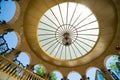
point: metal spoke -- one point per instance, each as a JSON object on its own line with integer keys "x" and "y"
{"x": 67, "y": 14}
{"x": 87, "y": 29}
{"x": 45, "y": 34}
{"x": 87, "y": 39}
{"x": 62, "y": 28}
{"x": 54, "y": 47}
{"x": 51, "y": 45}
{"x": 74, "y": 51}
{"x": 46, "y": 39}
{"x": 48, "y": 25}
{"x": 70, "y": 53}
{"x": 61, "y": 52}
{"x": 51, "y": 21}
{"x": 46, "y": 30}
{"x": 61, "y": 14}
{"x": 89, "y": 34}
{"x": 55, "y": 16}
{"x": 73, "y": 13}
{"x": 83, "y": 19}
{"x": 57, "y": 50}
{"x": 86, "y": 24}
{"x": 77, "y": 48}
{"x": 60, "y": 25}
{"x": 82, "y": 47}
{"x": 65, "y": 53}
{"x": 84, "y": 43}
{"x": 48, "y": 42}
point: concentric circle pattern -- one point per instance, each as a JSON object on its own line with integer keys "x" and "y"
{"x": 68, "y": 31}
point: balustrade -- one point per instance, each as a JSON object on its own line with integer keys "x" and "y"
{"x": 16, "y": 71}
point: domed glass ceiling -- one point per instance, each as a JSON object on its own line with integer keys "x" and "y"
{"x": 68, "y": 31}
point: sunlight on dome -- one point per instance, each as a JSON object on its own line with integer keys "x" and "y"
{"x": 68, "y": 31}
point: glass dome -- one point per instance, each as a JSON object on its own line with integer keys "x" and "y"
{"x": 68, "y": 31}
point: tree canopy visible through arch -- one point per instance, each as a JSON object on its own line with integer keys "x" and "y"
{"x": 39, "y": 70}
{"x": 113, "y": 66}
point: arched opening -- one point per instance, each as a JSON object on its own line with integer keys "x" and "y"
{"x": 22, "y": 60}
{"x": 40, "y": 70}
{"x": 7, "y": 11}
{"x": 74, "y": 76}
{"x": 95, "y": 74}
{"x": 113, "y": 66}
{"x": 8, "y": 42}
{"x": 55, "y": 75}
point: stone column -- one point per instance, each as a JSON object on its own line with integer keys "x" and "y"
{"x": 13, "y": 54}
{"x": 84, "y": 78}
{"x": 64, "y": 78}
{"x": 47, "y": 76}
{"x": 5, "y": 28}
{"x": 106, "y": 74}
{"x": 30, "y": 67}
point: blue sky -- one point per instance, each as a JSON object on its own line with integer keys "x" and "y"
{"x": 12, "y": 39}
{"x": 8, "y": 9}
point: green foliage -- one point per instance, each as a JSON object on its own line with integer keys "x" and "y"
{"x": 4, "y": 54}
{"x": 116, "y": 58}
{"x": 119, "y": 58}
{"x": 40, "y": 71}
{"x": 113, "y": 63}
{"x": 113, "y": 66}
{"x": 53, "y": 76}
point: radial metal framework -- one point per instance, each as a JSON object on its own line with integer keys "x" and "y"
{"x": 68, "y": 31}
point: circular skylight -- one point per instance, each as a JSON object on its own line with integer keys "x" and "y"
{"x": 68, "y": 31}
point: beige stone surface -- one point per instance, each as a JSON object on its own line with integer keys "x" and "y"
{"x": 4, "y": 76}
